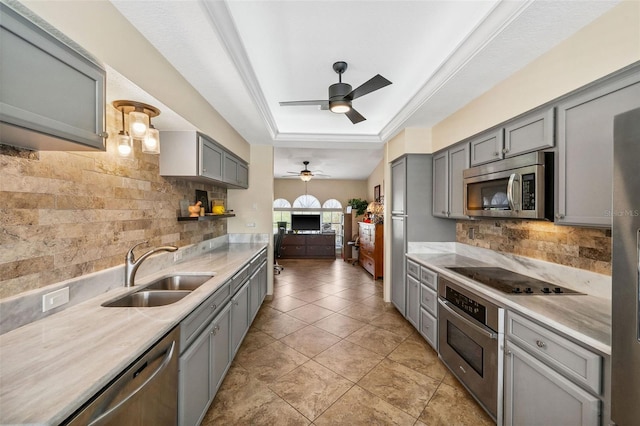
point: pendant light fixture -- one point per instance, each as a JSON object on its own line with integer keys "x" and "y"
{"x": 140, "y": 127}
{"x": 125, "y": 145}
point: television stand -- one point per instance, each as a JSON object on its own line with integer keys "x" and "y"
{"x": 308, "y": 246}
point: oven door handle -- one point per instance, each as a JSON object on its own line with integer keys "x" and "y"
{"x": 511, "y": 197}
{"x": 482, "y": 330}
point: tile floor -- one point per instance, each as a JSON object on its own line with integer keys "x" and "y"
{"x": 327, "y": 350}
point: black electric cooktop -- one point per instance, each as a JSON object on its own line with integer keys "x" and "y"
{"x": 512, "y": 282}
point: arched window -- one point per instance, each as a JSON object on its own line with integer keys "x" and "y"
{"x": 306, "y": 202}
{"x": 281, "y": 203}
{"x": 332, "y": 204}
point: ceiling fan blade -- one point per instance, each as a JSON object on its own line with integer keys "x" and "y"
{"x": 354, "y": 116}
{"x": 323, "y": 104}
{"x": 375, "y": 83}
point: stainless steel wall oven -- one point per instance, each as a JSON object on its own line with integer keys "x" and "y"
{"x": 471, "y": 338}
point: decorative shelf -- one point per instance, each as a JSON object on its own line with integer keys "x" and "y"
{"x": 208, "y": 217}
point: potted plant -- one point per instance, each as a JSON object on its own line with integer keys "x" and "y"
{"x": 359, "y": 205}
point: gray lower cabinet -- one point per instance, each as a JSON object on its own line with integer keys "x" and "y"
{"x": 202, "y": 367}
{"x": 585, "y": 151}
{"x": 52, "y": 95}
{"x": 398, "y": 249}
{"x": 239, "y": 317}
{"x": 537, "y": 395}
{"x": 448, "y": 195}
{"x": 544, "y": 369}
{"x": 211, "y": 335}
{"x": 195, "y": 156}
{"x": 413, "y": 301}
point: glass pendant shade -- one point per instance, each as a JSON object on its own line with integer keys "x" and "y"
{"x": 125, "y": 145}
{"x": 138, "y": 124}
{"x": 306, "y": 177}
{"x": 151, "y": 143}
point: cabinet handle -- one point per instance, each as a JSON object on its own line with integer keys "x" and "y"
{"x": 443, "y": 212}
{"x": 214, "y": 306}
{"x": 540, "y": 343}
{"x": 103, "y": 135}
{"x": 496, "y": 154}
{"x": 508, "y": 352}
{"x": 505, "y": 150}
{"x": 559, "y": 216}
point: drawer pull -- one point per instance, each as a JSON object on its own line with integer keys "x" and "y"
{"x": 540, "y": 344}
{"x": 214, "y": 306}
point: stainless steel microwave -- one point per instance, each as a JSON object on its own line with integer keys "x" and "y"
{"x": 518, "y": 187}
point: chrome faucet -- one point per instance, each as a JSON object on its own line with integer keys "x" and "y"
{"x": 131, "y": 265}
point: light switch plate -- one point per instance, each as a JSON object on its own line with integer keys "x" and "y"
{"x": 55, "y": 299}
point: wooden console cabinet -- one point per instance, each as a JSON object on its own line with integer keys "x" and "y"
{"x": 371, "y": 248}
{"x": 308, "y": 246}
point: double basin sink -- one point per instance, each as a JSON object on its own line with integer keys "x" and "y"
{"x": 161, "y": 292}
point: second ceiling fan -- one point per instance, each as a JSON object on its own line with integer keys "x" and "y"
{"x": 341, "y": 95}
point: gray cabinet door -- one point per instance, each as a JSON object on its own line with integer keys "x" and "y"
{"x": 50, "y": 94}
{"x": 398, "y": 249}
{"x": 220, "y": 348}
{"x": 458, "y": 161}
{"x": 254, "y": 294}
{"x": 413, "y": 301}
{"x": 398, "y": 186}
{"x": 441, "y": 184}
{"x": 194, "y": 392}
{"x": 487, "y": 147}
{"x": 211, "y": 159}
{"x": 532, "y": 132}
{"x": 537, "y": 395}
{"x": 585, "y": 151}
{"x": 239, "y": 317}
{"x": 230, "y": 169}
{"x": 243, "y": 175}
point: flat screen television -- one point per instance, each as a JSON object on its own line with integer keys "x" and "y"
{"x": 305, "y": 222}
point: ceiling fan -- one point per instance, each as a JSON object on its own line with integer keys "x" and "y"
{"x": 307, "y": 174}
{"x": 341, "y": 95}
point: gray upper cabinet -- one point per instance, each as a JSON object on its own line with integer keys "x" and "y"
{"x": 487, "y": 147}
{"x": 398, "y": 186}
{"x": 448, "y": 189}
{"x": 193, "y": 155}
{"x": 533, "y": 132}
{"x": 585, "y": 151}
{"x": 441, "y": 184}
{"x": 52, "y": 96}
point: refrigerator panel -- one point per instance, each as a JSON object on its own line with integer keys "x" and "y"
{"x": 625, "y": 336}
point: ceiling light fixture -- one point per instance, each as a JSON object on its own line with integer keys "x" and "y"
{"x": 140, "y": 127}
{"x": 340, "y": 107}
{"x": 306, "y": 175}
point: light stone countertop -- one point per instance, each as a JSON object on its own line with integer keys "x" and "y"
{"x": 585, "y": 318}
{"x": 51, "y": 367}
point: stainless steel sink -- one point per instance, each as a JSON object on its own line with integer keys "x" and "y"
{"x": 147, "y": 299}
{"x": 179, "y": 282}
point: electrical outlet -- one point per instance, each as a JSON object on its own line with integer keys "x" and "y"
{"x": 472, "y": 233}
{"x": 177, "y": 256}
{"x": 55, "y": 299}
{"x": 251, "y": 225}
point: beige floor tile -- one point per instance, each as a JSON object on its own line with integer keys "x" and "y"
{"x": 311, "y": 388}
{"x": 377, "y": 302}
{"x": 359, "y": 407}
{"x": 340, "y": 325}
{"x": 349, "y": 360}
{"x": 286, "y": 303}
{"x": 416, "y": 354}
{"x": 329, "y": 288}
{"x": 394, "y": 322}
{"x": 375, "y": 339}
{"x": 310, "y": 341}
{"x": 451, "y": 406}
{"x": 362, "y": 312}
{"x": 400, "y": 386}
{"x": 334, "y": 303}
{"x": 271, "y": 362}
{"x": 309, "y": 295}
{"x": 279, "y": 326}
{"x": 353, "y": 294}
{"x": 310, "y": 313}
{"x": 254, "y": 340}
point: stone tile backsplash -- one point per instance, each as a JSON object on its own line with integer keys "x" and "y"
{"x": 66, "y": 214}
{"x": 584, "y": 248}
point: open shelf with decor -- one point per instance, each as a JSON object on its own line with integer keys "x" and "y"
{"x": 206, "y": 217}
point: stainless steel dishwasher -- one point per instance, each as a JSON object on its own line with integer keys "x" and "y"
{"x": 146, "y": 393}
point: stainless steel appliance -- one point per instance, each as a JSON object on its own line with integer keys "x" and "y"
{"x": 518, "y": 187}
{"x": 511, "y": 282}
{"x": 146, "y": 393}
{"x": 625, "y": 347}
{"x": 471, "y": 336}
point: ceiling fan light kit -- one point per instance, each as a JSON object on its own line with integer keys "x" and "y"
{"x": 306, "y": 174}
{"x": 341, "y": 94}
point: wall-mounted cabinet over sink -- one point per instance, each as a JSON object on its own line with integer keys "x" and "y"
{"x": 52, "y": 96}
{"x": 193, "y": 155}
